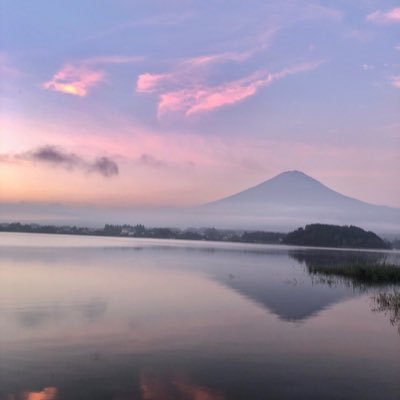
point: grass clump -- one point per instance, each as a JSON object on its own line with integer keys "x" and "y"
{"x": 361, "y": 272}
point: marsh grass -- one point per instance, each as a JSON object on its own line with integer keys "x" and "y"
{"x": 361, "y": 272}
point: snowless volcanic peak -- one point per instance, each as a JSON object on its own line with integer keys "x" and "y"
{"x": 290, "y": 187}
{"x": 294, "y": 174}
{"x": 292, "y": 199}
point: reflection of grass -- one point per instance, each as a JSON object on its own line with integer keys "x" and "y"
{"x": 363, "y": 275}
{"x": 389, "y": 303}
{"x": 362, "y": 272}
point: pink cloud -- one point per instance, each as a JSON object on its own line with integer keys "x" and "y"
{"x": 186, "y": 88}
{"x": 199, "y": 98}
{"x": 78, "y": 79}
{"x": 381, "y": 17}
{"x": 148, "y": 83}
{"x": 192, "y": 71}
{"x": 237, "y": 56}
{"x": 74, "y": 80}
{"x": 396, "y": 81}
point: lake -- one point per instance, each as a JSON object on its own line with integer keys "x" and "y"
{"x": 123, "y": 318}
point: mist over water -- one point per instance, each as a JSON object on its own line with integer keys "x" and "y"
{"x": 119, "y": 318}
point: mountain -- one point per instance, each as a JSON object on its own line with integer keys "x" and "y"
{"x": 292, "y": 199}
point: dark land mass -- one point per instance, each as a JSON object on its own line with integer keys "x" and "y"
{"x": 322, "y": 235}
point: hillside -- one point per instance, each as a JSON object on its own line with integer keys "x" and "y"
{"x": 321, "y": 235}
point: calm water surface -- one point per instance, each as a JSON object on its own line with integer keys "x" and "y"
{"x": 111, "y": 318}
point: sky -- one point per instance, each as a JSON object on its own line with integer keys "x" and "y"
{"x": 180, "y": 102}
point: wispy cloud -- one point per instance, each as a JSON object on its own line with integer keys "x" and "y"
{"x": 52, "y": 155}
{"x": 104, "y": 166}
{"x": 55, "y": 156}
{"x": 368, "y": 67}
{"x": 201, "y": 98}
{"x": 195, "y": 69}
{"x": 148, "y": 82}
{"x": 395, "y": 80}
{"x": 312, "y": 10}
{"x": 157, "y": 20}
{"x": 151, "y": 161}
{"x": 382, "y": 17}
{"x": 113, "y": 59}
{"x": 75, "y": 80}
{"x": 186, "y": 89}
{"x": 196, "y": 84}
{"x": 78, "y": 79}
{"x": 6, "y": 69}
{"x": 6, "y": 158}
{"x": 361, "y": 35}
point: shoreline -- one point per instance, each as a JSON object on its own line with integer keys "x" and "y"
{"x": 192, "y": 243}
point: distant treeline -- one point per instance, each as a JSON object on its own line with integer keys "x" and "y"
{"x": 140, "y": 231}
{"x": 318, "y": 235}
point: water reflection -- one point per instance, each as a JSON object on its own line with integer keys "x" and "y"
{"x": 189, "y": 324}
{"x": 151, "y": 386}
{"x": 90, "y": 311}
{"x": 357, "y": 269}
{"x": 48, "y": 393}
{"x": 386, "y": 300}
{"x": 289, "y": 293}
{"x": 161, "y": 387}
{"x": 333, "y": 257}
{"x": 389, "y": 304}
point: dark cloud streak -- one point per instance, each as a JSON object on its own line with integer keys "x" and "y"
{"x": 150, "y": 161}
{"x": 53, "y": 155}
{"x": 105, "y": 166}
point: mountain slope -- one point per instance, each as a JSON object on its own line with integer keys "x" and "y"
{"x": 291, "y": 187}
{"x": 293, "y": 198}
